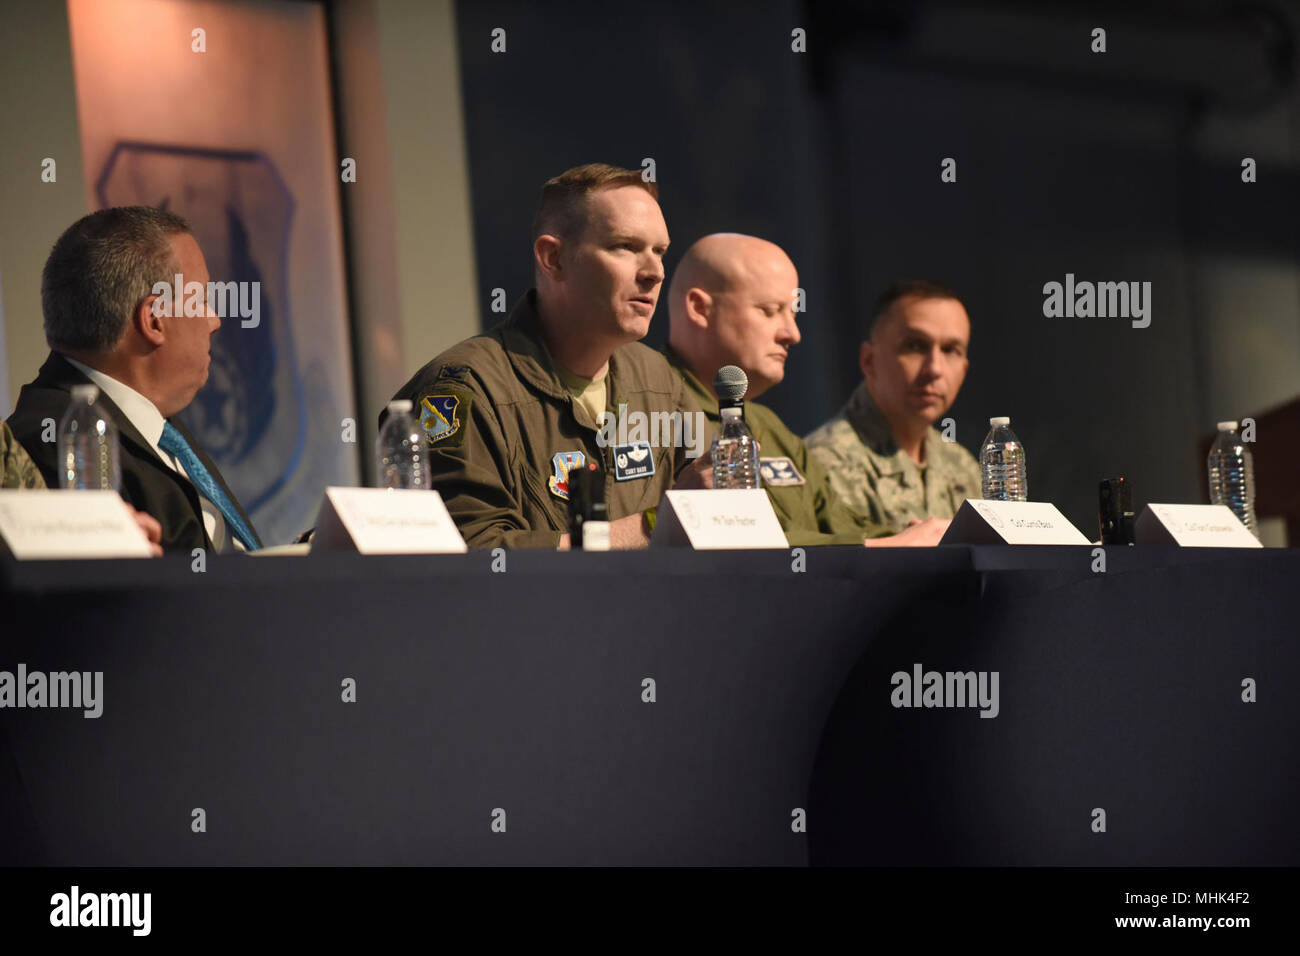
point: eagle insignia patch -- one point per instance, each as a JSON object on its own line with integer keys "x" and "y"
{"x": 563, "y": 463}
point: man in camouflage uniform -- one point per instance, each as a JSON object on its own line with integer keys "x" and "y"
{"x": 884, "y": 455}
{"x": 732, "y": 303}
{"x": 17, "y": 470}
{"x": 507, "y": 415}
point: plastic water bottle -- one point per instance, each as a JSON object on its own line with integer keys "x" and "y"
{"x": 735, "y": 453}
{"x": 88, "y": 451}
{"x": 1002, "y": 464}
{"x": 1232, "y": 475}
{"x": 402, "y": 461}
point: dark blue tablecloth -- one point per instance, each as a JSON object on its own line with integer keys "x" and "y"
{"x": 523, "y": 692}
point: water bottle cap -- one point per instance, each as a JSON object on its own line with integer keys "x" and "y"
{"x": 995, "y": 422}
{"x": 399, "y": 405}
{"x": 1227, "y": 426}
{"x": 85, "y": 393}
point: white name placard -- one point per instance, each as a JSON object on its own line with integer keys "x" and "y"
{"x": 718, "y": 519}
{"x": 69, "y": 524}
{"x": 1010, "y": 522}
{"x": 385, "y": 521}
{"x": 1193, "y": 526}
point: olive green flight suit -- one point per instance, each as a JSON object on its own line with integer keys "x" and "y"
{"x": 796, "y": 483}
{"x": 503, "y": 433}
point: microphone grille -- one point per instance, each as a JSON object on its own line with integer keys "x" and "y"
{"x": 730, "y": 383}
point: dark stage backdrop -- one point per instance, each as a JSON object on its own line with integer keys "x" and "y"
{"x": 1113, "y": 167}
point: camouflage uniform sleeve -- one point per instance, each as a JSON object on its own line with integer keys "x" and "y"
{"x": 471, "y": 464}
{"x": 838, "y": 518}
{"x": 961, "y": 474}
{"x": 847, "y": 476}
{"x": 973, "y": 476}
{"x": 17, "y": 470}
{"x": 811, "y": 513}
{"x": 835, "y": 517}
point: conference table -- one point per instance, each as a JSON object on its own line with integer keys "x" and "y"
{"x": 660, "y": 707}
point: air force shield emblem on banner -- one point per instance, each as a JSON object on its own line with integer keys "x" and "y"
{"x": 564, "y": 462}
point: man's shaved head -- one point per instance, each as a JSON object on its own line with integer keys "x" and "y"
{"x": 719, "y": 263}
{"x": 731, "y": 302}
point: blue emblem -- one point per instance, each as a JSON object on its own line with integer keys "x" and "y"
{"x": 632, "y": 461}
{"x": 779, "y": 472}
{"x": 564, "y": 462}
{"x": 438, "y": 416}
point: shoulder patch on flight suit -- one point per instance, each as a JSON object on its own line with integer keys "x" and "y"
{"x": 563, "y": 463}
{"x": 779, "y": 472}
{"x": 443, "y": 415}
{"x": 634, "y": 460}
{"x": 453, "y": 373}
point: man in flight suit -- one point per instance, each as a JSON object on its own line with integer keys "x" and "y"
{"x": 731, "y": 302}
{"x": 509, "y": 414}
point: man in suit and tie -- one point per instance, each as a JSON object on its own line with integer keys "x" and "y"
{"x": 106, "y": 326}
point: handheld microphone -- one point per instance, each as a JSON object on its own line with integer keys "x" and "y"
{"x": 730, "y": 384}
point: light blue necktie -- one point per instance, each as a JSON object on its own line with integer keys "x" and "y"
{"x": 174, "y": 443}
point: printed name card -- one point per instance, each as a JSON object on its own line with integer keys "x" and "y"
{"x": 385, "y": 521}
{"x": 1010, "y": 522}
{"x": 718, "y": 519}
{"x": 1193, "y": 526}
{"x": 69, "y": 524}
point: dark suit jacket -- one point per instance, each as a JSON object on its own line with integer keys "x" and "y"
{"x": 148, "y": 483}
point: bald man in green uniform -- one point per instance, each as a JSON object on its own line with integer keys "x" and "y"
{"x": 731, "y": 302}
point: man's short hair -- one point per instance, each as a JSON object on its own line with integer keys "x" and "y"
{"x": 906, "y": 289}
{"x": 100, "y": 270}
{"x": 563, "y": 207}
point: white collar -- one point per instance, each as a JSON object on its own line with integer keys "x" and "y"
{"x": 139, "y": 411}
{"x": 149, "y": 422}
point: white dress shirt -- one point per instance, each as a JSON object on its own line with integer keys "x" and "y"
{"x": 149, "y": 422}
